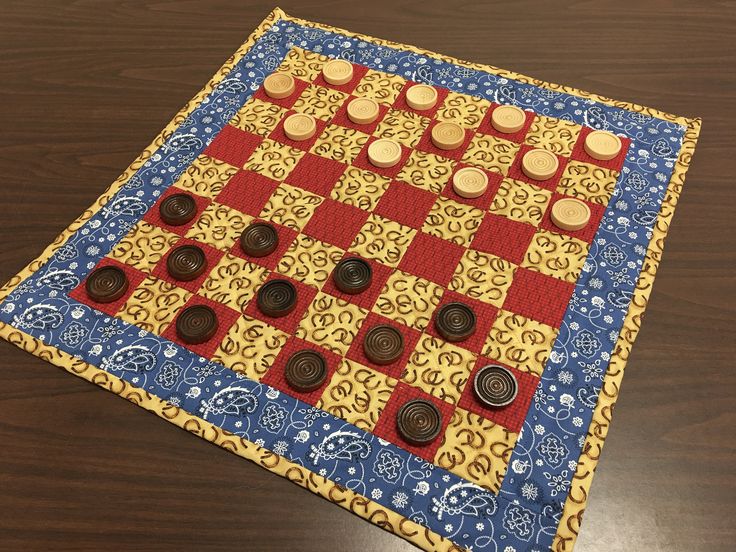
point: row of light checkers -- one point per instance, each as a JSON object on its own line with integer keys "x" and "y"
{"x": 418, "y": 421}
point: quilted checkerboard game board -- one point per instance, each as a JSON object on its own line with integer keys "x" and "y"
{"x": 558, "y": 309}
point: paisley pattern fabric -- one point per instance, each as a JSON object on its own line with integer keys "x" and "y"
{"x": 486, "y": 487}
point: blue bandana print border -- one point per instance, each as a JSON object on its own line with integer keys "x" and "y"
{"x": 526, "y": 513}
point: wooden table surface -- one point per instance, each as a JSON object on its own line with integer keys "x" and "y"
{"x": 83, "y": 88}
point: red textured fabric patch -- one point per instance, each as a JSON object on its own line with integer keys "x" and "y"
{"x": 584, "y": 234}
{"x": 336, "y": 223}
{"x": 359, "y": 72}
{"x": 395, "y": 369}
{"x": 386, "y": 427}
{"x": 432, "y": 258}
{"x": 289, "y": 101}
{"x": 288, "y": 323}
{"x": 341, "y": 117}
{"x": 485, "y": 316}
{"x": 503, "y": 237}
{"x": 212, "y": 255}
{"x": 226, "y": 317}
{"x": 579, "y": 153}
{"x": 279, "y": 135}
{"x": 153, "y": 215}
{"x": 426, "y": 144}
{"x": 316, "y": 174}
{"x": 538, "y": 296}
{"x": 406, "y": 204}
{"x": 135, "y": 277}
{"x": 362, "y": 161}
{"x": 516, "y": 172}
{"x": 248, "y": 192}
{"x": 483, "y": 202}
{"x": 486, "y": 127}
{"x": 233, "y": 146}
{"x": 275, "y": 377}
{"x": 510, "y": 416}
{"x": 286, "y": 237}
{"x": 401, "y": 104}
{"x": 367, "y": 298}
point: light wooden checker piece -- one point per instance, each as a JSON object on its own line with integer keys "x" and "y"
{"x": 300, "y": 126}
{"x": 384, "y": 153}
{"x": 570, "y": 214}
{"x": 508, "y": 119}
{"x": 448, "y": 136}
{"x": 337, "y": 72}
{"x": 470, "y": 182}
{"x": 363, "y": 111}
{"x": 539, "y": 164}
{"x": 279, "y": 85}
{"x": 421, "y": 97}
{"x": 602, "y": 145}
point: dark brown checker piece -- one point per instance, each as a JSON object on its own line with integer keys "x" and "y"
{"x": 455, "y": 321}
{"x": 276, "y": 298}
{"x": 186, "y": 263}
{"x": 106, "y": 284}
{"x": 177, "y": 209}
{"x": 419, "y": 422}
{"x": 259, "y": 239}
{"x": 352, "y": 275}
{"x": 383, "y": 344}
{"x": 495, "y": 386}
{"x": 196, "y": 324}
{"x": 306, "y": 370}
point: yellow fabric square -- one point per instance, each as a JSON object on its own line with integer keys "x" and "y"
{"x": 520, "y": 201}
{"x": 484, "y": 277}
{"x": 453, "y": 221}
{"x": 588, "y": 182}
{"x": 476, "y": 449}
{"x": 219, "y": 226}
{"x": 144, "y": 245}
{"x": 466, "y": 111}
{"x": 439, "y": 368}
{"x": 153, "y": 305}
{"x": 426, "y": 171}
{"x": 360, "y": 188}
{"x": 556, "y": 135}
{"x": 520, "y": 342}
{"x": 273, "y": 159}
{"x": 290, "y": 206}
{"x": 206, "y": 176}
{"x": 258, "y": 117}
{"x": 233, "y": 282}
{"x": 302, "y": 64}
{"x": 309, "y": 261}
{"x": 339, "y": 143}
{"x": 491, "y": 153}
{"x": 320, "y": 102}
{"x": 403, "y": 126}
{"x": 383, "y": 240}
{"x": 331, "y": 323}
{"x": 357, "y": 394}
{"x": 556, "y": 255}
{"x": 380, "y": 86}
{"x": 250, "y": 347}
{"x": 408, "y": 299}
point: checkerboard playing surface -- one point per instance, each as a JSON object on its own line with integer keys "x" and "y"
{"x": 554, "y": 307}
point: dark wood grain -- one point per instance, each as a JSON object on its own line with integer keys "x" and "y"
{"x": 84, "y": 86}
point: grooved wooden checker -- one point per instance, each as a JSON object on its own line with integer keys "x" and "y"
{"x": 602, "y": 145}
{"x": 508, "y": 119}
{"x": 363, "y": 111}
{"x": 421, "y": 97}
{"x": 300, "y": 126}
{"x": 539, "y": 164}
{"x": 337, "y": 71}
{"x": 447, "y": 136}
{"x": 470, "y": 182}
{"x": 384, "y": 153}
{"x": 570, "y": 214}
{"x": 279, "y": 85}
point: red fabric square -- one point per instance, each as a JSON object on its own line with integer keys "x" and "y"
{"x": 316, "y": 174}
{"x": 286, "y": 237}
{"x": 248, "y": 192}
{"x": 233, "y": 146}
{"x": 406, "y": 204}
{"x": 517, "y": 173}
{"x": 486, "y": 127}
{"x": 503, "y": 237}
{"x": 579, "y": 153}
{"x": 212, "y": 255}
{"x": 288, "y": 323}
{"x": 538, "y": 296}
{"x": 395, "y": 369}
{"x": 426, "y": 144}
{"x": 367, "y": 298}
{"x": 585, "y": 234}
{"x": 336, "y": 223}
{"x": 341, "y": 117}
{"x": 386, "y": 426}
{"x": 483, "y": 202}
{"x": 510, "y": 416}
{"x": 362, "y": 161}
{"x": 275, "y": 377}
{"x": 226, "y": 317}
{"x": 432, "y": 258}
{"x": 289, "y": 101}
{"x": 154, "y": 216}
{"x": 135, "y": 277}
{"x": 401, "y": 104}
{"x": 485, "y": 315}
{"x": 279, "y": 135}
{"x": 359, "y": 72}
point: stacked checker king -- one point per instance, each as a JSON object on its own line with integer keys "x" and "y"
{"x": 500, "y": 254}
